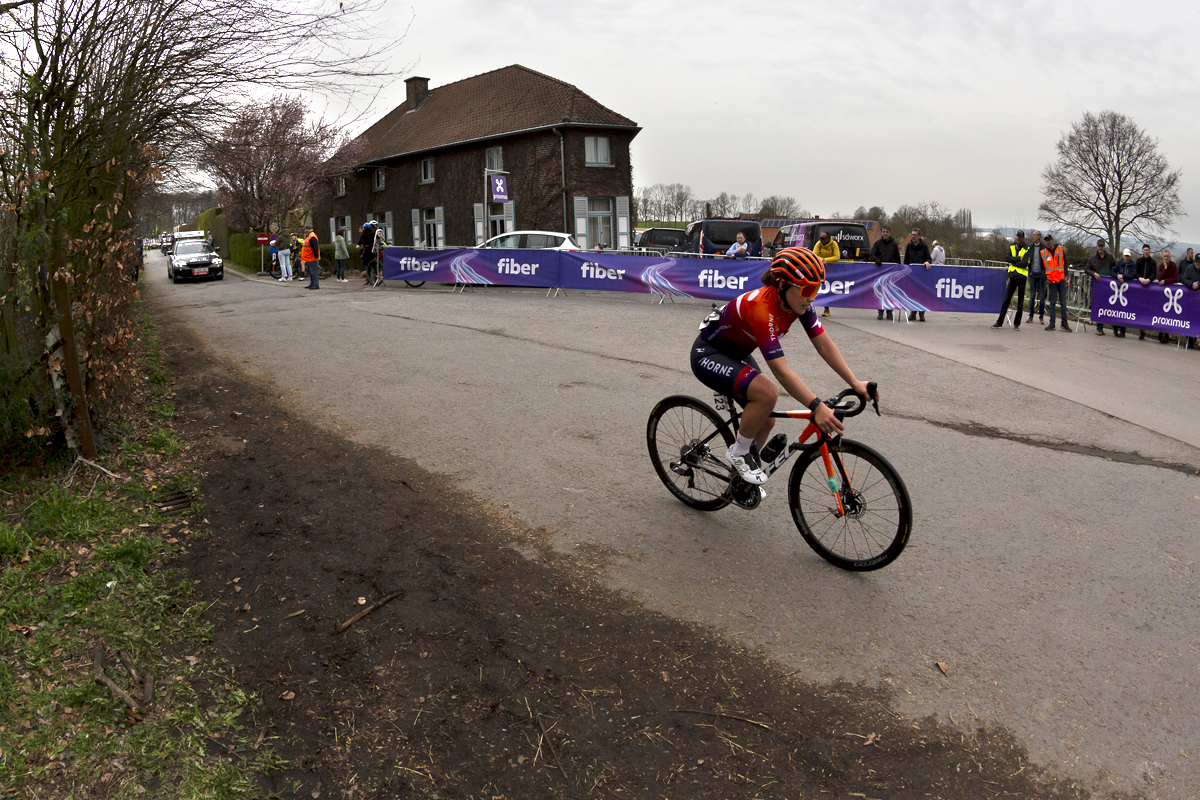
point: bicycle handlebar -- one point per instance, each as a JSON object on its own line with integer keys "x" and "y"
{"x": 850, "y": 410}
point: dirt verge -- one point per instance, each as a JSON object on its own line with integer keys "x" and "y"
{"x": 487, "y": 674}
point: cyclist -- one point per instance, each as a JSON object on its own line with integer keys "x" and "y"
{"x": 722, "y": 360}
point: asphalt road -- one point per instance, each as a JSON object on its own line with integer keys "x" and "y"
{"x": 1050, "y": 566}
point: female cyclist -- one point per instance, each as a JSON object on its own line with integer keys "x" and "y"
{"x": 722, "y": 360}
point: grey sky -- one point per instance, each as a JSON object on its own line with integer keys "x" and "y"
{"x": 958, "y": 102}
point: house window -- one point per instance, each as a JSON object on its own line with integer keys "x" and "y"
{"x": 494, "y": 157}
{"x": 597, "y": 152}
{"x": 429, "y": 227}
{"x": 342, "y": 224}
{"x": 426, "y": 170}
{"x": 495, "y": 219}
{"x": 378, "y": 181}
{"x": 339, "y": 187}
{"x": 600, "y": 221}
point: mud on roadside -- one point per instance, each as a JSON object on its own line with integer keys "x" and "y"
{"x": 490, "y": 675}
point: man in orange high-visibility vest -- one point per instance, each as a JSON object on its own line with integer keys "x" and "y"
{"x": 310, "y": 255}
{"x": 1055, "y": 261}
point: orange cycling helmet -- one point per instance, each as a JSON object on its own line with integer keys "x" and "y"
{"x": 801, "y": 267}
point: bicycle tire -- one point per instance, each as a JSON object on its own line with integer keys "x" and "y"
{"x": 878, "y": 521}
{"x": 415, "y": 284}
{"x": 681, "y": 428}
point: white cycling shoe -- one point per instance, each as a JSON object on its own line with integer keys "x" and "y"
{"x": 748, "y": 467}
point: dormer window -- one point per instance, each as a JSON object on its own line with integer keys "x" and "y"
{"x": 378, "y": 181}
{"x": 339, "y": 187}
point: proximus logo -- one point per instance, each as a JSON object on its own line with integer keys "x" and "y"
{"x": 1118, "y": 294}
{"x": 1172, "y": 304}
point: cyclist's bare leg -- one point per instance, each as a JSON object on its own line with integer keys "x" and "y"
{"x": 761, "y": 397}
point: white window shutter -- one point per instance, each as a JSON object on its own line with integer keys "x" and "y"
{"x": 623, "y": 222}
{"x": 440, "y": 219}
{"x": 388, "y": 232}
{"x": 480, "y": 225}
{"x": 332, "y": 228}
{"x": 581, "y": 222}
{"x": 509, "y": 223}
{"x": 416, "y": 223}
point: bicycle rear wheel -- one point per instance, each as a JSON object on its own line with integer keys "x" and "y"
{"x": 878, "y": 512}
{"x": 415, "y": 284}
{"x": 681, "y": 435}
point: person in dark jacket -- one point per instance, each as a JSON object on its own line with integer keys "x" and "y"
{"x": 1168, "y": 273}
{"x": 1147, "y": 273}
{"x": 1037, "y": 279}
{"x": 1018, "y": 271}
{"x": 1125, "y": 271}
{"x": 366, "y": 250}
{"x": 1099, "y": 265}
{"x": 917, "y": 252}
{"x": 1189, "y": 276}
{"x": 885, "y": 251}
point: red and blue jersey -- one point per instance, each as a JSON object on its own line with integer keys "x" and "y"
{"x": 757, "y": 319}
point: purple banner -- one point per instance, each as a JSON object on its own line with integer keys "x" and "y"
{"x": 499, "y": 184}
{"x": 498, "y": 267}
{"x": 848, "y": 284}
{"x": 1171, "y": 308}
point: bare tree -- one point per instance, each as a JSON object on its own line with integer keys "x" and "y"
{"x": 780, "y": 207}
{"x": 1109, "y": 180}
{"x": 749, "y": 204}
{"x": 268, "y": 159}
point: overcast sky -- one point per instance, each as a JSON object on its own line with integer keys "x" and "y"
{"x": 843, "y": 105}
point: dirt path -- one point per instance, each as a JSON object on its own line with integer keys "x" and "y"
{"x": 498, "y": 670}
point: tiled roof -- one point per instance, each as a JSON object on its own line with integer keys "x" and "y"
{"x": 506, "y": 100}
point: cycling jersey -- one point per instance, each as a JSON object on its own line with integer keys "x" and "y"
{"x": 757, "y": 319}
{"x": 720, "y": 355}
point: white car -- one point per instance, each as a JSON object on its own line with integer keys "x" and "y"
{"x": 532, "y": 240}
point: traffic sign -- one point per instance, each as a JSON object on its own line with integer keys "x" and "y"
{"x": 263, "y": 238}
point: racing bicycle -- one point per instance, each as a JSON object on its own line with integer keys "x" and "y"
{"x": 847, "y": 501}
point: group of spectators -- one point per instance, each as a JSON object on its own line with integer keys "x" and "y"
{"x": 886, "y": 250}
{"x": 370, "y": 242}
{"x": 1042, "y": 264}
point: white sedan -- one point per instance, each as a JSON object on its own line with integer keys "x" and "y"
{"x": 532, "y": 240}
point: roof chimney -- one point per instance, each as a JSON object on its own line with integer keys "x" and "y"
{"x": 418, "y": 90}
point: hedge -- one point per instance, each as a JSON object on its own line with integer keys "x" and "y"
{"x": 244, "y": 250}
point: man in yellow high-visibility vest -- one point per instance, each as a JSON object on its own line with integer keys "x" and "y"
{"x": 1018, "y": 272}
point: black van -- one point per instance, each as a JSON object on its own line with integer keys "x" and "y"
{"x": 851, "y": 237}
{"x": 663, "y": 240}
{"x": 716, "y": 235}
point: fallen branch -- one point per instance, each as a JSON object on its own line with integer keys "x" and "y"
{"x": 341, "y": 628}
{"x": 762, "y": 725}
{"x": 127, "y": 660}
{"x": 96, "y": 466}
{"x": 98, "y": 674}
{"x": 550, "y": 744}
{"x": 147, "y": 687}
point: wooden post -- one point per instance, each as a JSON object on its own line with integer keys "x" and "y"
{"x": 66, "y": 332}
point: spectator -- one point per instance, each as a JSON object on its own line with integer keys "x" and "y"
{"x": 1018, "y": 271}
{"x": 738, "y": 249}
{"x": 366, "y": 249}
{"x": 1099, "y": 265}
{"x": 1125, "y": 271}
{"x": 1188, "y": 258}
{"x": 1189, "y": 276}
{"x": 1168, "y": 273}
{"x": 917, "y": 252}
{"x": 340, "y": 254}
{"x": 1147, "y": 273}
{"x": 310, "y": 257}
{"x": 938, "y": 258}
{"x": 885, "y": 251}
{"x": 285, "y": 255}
{"x": 379, "y": 243}
{"x": 828, "y": 251}
{"x": 1055, "y": 262}
{"x": 1037, "y": 280}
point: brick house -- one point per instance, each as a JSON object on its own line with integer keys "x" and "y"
{"x": 426, "y": 165}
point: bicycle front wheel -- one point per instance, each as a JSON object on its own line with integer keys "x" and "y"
{"x": 681, "y": 435}
{"x": 415, "y": 284}
{"x": 873, "y": 524}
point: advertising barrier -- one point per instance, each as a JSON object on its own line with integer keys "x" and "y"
{"x": 848, "y": 284}
{"x": 1170, "y": 309}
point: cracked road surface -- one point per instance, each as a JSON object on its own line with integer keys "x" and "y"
{"x": 1051, "y": 566}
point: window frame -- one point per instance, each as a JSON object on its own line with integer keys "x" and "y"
{"x": 608, "y": 147}
{"x": 378, "y": 181}
{"x": 498, "y": 150}
{"x": 423, "y": 177}
{"x": 599, "y": 217}
{"x": 339, "y": 186}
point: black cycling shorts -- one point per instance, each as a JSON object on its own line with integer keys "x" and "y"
{"x": 721, "y": 372}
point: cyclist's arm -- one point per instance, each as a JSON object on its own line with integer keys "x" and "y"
{"x": 823, "y": 418}
{"x": 833, "y": 357}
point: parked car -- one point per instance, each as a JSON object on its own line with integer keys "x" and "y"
{"x": 716, "y": 235}
{"x": 194, "y": 258}
{"x": 663, "y": 240}
{"x": 851, "y": 237}
{"x": 533, "y": 240}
